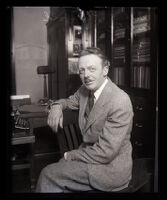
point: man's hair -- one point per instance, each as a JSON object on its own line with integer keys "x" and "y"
{"x": 95, "y": 51}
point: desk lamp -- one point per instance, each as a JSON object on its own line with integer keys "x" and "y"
{"x": 44, "y": 70}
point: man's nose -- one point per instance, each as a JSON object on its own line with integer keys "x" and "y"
{"x": 86, "y": 74}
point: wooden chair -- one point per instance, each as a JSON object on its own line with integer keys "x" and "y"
{"x": 70, "y": 138}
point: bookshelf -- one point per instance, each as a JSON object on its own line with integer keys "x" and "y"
{"x": 141, "y": 47}
{"x": 120, "y": 45}
{"x": 134, "y": 62}
{"x": 132, "y": 47}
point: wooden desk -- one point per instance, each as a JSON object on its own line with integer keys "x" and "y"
{"x": 37, "y": 117}
{"x": 21, "y": 138}
{"x": 36, "y": 114}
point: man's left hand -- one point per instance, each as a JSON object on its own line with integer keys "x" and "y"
{"x": 65, "y": 155}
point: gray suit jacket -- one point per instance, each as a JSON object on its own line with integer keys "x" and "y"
{"x": 106, "y": 146}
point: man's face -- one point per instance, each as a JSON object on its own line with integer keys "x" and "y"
{"x": 91, "y": 71}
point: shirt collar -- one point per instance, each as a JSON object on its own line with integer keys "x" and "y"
{"x": 100, "y": 89}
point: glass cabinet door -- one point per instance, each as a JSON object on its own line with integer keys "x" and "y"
{"x": 120, "y": 45}
{"x": 103, "y": 30}
{"x": 140, "y": 51}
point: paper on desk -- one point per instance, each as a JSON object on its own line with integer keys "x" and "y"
{"x": 15, "y": 97}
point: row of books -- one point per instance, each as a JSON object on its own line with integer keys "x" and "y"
{"x": 144, "y": 41}
{"x": 119, "y": 54}
{"x": 141, "y": 50}
{"x": 141, "y": 19}
{"x": 119, "y": 50}
{"x": 120, "y": 60}
{"x": 141, "y": 59}
{"x": 141, "y": 24}
{"x": 119, "y": 75}
{"x": 140, "y": 77}
{"x": 119, "y": 33}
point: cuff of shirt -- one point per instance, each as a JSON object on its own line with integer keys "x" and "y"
{"x": 60, "y": 102}
{"x": 70, "y": 155}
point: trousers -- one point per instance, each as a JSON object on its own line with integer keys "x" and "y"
{"x": 64, "y": 177}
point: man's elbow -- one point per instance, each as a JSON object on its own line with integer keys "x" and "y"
{"x": 107, "y": 157}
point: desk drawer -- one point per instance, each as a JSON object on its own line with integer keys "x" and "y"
{"x": 142, "y": 149}
{"x": 141, "y": 125}
{"x": 144, "y": 127}
{"x": 142, "y": 138}
{"x": 141, "y": 107}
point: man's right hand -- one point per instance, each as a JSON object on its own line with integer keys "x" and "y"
{"x": 55, "y": 117}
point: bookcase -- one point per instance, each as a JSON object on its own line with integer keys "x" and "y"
{"x": 120, "y": 46}
{"x": 134, "y": 59}
{"x": 129, "y": 37}
{"x": 141, "y": 47}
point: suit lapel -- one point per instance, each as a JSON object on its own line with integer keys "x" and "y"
{"x": 99, "y": 105}
{"x": 83, "y": 104}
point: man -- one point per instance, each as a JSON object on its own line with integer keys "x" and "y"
{"x": 104, "y": 159}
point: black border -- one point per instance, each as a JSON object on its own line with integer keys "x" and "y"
{"x": 7, "y": 91}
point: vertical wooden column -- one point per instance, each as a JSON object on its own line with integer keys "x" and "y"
{"x": 57, "y": 60}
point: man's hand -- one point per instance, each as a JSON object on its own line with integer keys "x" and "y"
{"x": 65, "y": 155}
{"x": 55, "y": 117}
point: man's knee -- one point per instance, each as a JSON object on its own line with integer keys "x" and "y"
{"x": 50, "y": 171}
{"x": 44, "y": 171}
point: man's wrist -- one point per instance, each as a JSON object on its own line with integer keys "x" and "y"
{"x": 56, "y": 104}
{"x": 68, "y": 155}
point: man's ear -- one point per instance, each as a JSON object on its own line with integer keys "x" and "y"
{"x": 105, "y": 70}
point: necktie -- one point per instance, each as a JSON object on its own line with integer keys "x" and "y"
{"x": 91, "y": 100}
{"x": 90, "y": 103}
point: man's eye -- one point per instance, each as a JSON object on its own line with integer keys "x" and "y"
{"x": 92, "y": 69}
{"x": 81, "y": 71}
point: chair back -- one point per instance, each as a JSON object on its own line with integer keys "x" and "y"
{"x": 69, "y": 137}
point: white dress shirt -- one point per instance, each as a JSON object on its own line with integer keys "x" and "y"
{"x": 99, "y": 91}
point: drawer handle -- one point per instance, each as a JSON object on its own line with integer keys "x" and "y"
{"x": 138, "y": 107}
{"x": 138, "y": 125}
{"x": 138, "y": 144}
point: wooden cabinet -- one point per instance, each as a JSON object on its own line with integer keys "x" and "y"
{"x": 103, "y": 30}
{"x": 23, "y": 153}
{"x": 129, "y": 37}
{"x": 134, "y": 58}
{"x": 68, "y": 33}
{"x": 143, "y": 132}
